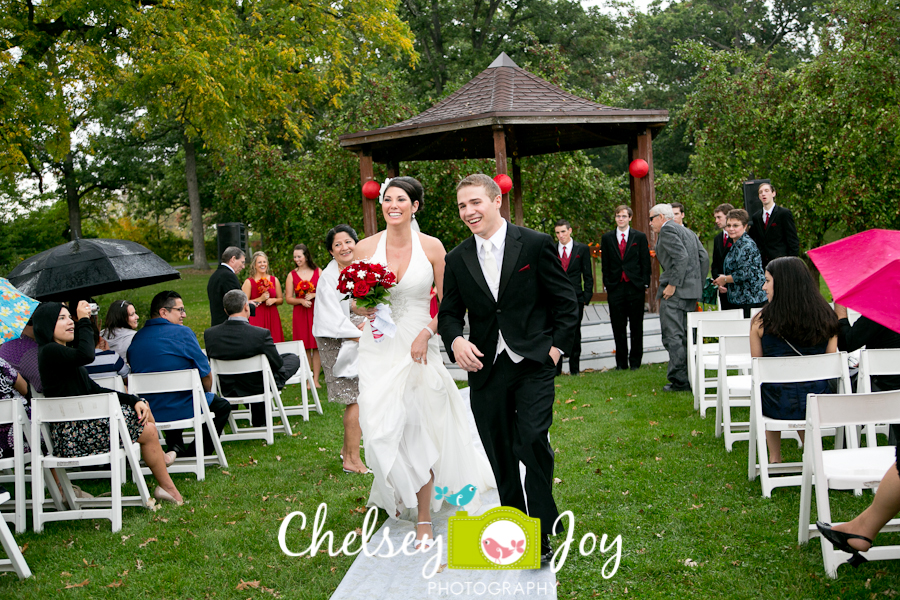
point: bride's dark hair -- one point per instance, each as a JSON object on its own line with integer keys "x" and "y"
{"x": 413, "y": 189}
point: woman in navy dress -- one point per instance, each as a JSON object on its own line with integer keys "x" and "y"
{"x": 796, "y": 321}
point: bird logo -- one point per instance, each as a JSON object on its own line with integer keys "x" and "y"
{"x": 498, "y": 553}
{"x": 460, "y": 498}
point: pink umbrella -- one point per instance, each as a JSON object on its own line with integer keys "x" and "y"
{"x": 863, "y": 273}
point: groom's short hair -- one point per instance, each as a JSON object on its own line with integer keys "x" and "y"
{"x": 480, "y": 179}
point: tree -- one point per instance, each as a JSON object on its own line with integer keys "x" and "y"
{"x": 221, "y": 69}
{"x": 824, "y": 131}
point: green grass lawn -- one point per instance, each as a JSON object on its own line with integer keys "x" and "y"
{"x": 632, "y": 461}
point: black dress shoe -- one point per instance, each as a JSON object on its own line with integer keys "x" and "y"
{"x": 671, "y": 387}
{"x": 546, "y": 549}
{"x": 839, "y": 540}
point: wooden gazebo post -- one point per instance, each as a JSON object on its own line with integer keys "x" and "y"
{"x": 500, "y": 159}
{"x": 367, "y": 173}
{"x": 643, "y": 196}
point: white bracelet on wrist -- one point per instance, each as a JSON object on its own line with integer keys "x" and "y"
{"x": 429, "y": 330}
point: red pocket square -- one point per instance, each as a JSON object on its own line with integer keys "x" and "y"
{"x": 525, "y": 268}
{"x": 634, "y": 243}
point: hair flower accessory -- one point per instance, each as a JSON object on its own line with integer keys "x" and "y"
{"x": 384, "y": 186}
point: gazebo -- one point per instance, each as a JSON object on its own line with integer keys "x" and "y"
{"x": 506, "y": 112}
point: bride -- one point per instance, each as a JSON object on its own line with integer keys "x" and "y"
{"x": 414, "y": 421}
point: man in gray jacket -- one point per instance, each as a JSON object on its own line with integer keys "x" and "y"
{"x": 685, "y": 263}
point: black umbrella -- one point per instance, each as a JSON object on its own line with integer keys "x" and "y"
{"x": 88, "y": 267}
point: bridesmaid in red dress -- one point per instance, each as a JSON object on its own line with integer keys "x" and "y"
{"x": 264, "y": 289}
{"x": 306, "y": 275}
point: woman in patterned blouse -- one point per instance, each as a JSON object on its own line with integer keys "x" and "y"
{"x": 744, "y": 276}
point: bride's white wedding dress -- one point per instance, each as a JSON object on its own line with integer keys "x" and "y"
{"x": 413, "y": 418}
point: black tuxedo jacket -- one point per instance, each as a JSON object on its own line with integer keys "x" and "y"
{"x": 719, "y": 254}
{"x": 777, "y": 239}
{"x": 636, "y": 263}
{"x": 234, "y": 340}
{"x": 222, "y": 281}
{"x": 580, "y": 273}
{"x": 536, "y": 306}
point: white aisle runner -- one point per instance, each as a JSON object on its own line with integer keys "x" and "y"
{"x": 401, "y": 577}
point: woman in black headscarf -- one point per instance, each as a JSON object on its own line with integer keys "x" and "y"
{"x": 62, "y": 369}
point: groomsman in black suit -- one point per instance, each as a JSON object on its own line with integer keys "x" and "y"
{"x": 223, "y": 280}
{"x": 625, "y": 259}
{"x": 721, "y": 246}
{"x": 773, "y": 228}
{"x": 522, "y": 315}
{"x": 576, "y": 262}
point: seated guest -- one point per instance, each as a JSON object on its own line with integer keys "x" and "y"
{"x": 165, "y": 344}
{"x": 22, "y": 355}
{"x": 120, "y": 326}
{"x": 796, "y": 322}
{"x": 236, "y": 339}
{"x": 106, "y": 360}
{"x": 63, "y": 374}
{"x": 12, "y": 388}
{"x": 743, "y": 272}
{"x": 872, "y": 335}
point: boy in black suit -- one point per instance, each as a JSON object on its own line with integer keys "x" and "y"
{"x": 625, "y": 260}
{"x": 721, "y": 245}
{"x": 773, "y": 228}
{"x": 522, "y": 316}
{"x": 575, "y": 258}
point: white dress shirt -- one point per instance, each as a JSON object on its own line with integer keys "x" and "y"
{"x": 568, "y": 247}
{"x": 767, "y": 214}
{"x": 229, "y": 266}
{"x": 498, "y": 243}
{"x": 620, "y": 233}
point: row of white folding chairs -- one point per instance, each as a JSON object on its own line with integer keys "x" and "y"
{"x": 854, "y": 467}
{"x": 704, "y": 356}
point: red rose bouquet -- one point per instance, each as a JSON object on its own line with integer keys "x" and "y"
{"x": 303, "y": 288}
{"x": 368, "y": 283}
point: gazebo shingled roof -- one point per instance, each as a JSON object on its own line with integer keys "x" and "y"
{"x": 507, "y": 110}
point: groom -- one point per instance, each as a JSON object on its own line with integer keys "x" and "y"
{"x": 522, "y": 318}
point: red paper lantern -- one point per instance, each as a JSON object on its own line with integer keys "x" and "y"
{"x": 504, "y": 182}
{"x": 639, "y": 168}
{"x": 371, "y": 189}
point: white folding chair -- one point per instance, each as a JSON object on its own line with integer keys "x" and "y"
{"x": 187, "y": 380}
{"x": 874, "y": 362}
{"x": 703, "y": 356}
{"x": 269, "y": 397}
{"x": 111, "y": 381}
{"x": 705, "y": 395}
{"x": 785, "y": 369}
{"x": 844, "y": 469}
{"x": 46, "y": 411}
{"x": 303, "y": 375}
{"x": 12, "y": 412}
{"x": 15, "y": 562}
{"x": 732, "y": 391}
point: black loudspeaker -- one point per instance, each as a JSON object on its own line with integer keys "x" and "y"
{"x": 230, "y": 234}
{"x": 751, "y": 195}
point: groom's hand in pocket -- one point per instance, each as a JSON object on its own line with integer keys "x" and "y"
{"x": 555, "y": 354}
{"x": 467, "y": 354}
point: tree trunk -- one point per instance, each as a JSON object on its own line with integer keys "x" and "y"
{"x": 72, "y": 200}
{"x": 190, "y": 173}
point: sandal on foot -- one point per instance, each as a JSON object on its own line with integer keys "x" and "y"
{"x": 426, "y": 542}
{"x": 840, "y": 539}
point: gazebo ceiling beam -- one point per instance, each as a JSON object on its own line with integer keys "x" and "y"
{"x": 638, "y": 122}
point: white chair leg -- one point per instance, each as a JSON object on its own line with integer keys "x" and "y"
{"x": 805, "y": 496}
{"x": 16, "y": 561}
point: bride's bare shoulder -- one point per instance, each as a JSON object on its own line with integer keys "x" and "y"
{"x": 431, "y": 245}
{"x": 365, "y": 248}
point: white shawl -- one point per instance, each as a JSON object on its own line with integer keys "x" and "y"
{"x": 331, "y": 315}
